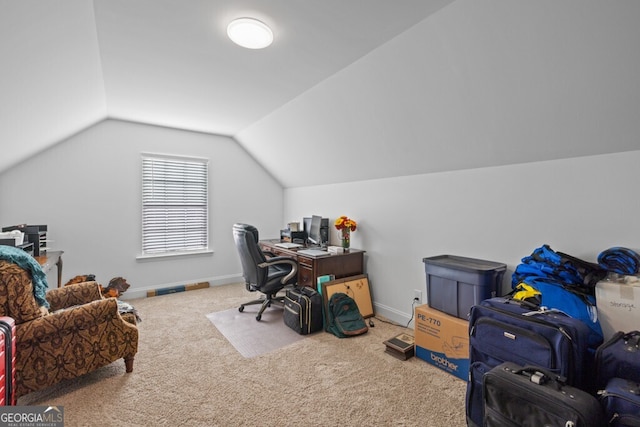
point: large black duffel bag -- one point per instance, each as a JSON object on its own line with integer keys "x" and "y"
{"x": 530, "y": 396}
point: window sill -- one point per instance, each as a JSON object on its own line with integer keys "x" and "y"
{"x": 157, "y": 257}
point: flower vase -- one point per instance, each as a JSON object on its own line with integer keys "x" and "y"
{"x": 346, "y": 238}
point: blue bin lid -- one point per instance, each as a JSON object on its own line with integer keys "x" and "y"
{"x": 464, "y": 263}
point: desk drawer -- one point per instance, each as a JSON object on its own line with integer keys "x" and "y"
{"x": 279, "y": 252}
{"x": 303, "y": 260}
{"x": 276, "y": 250}
{"x": 341, "y": 266}
{"x": 305, "y": 277}
{"x": 306, "y": 274}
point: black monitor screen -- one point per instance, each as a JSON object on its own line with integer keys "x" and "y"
{"x": 314, "y": 230}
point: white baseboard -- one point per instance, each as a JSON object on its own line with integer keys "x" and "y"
{"x": 213, "y": 281}
{"x": 392, "y": 314}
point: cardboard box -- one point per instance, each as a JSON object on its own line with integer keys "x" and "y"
{"x": 618, "y": 303}
{"x": 442, "y": 340}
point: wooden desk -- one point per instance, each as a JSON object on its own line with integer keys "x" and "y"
{"x": 310, "y": 268}
{"x": 48, "y": 260}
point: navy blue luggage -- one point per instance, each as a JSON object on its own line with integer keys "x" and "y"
{"x": 619, "y": 357}
{"x": 502, "y": 329}
{"x": 620, "y": 401}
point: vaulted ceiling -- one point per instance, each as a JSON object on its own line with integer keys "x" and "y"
{"x": 398, "y": 88}
{"x": 68, "y": 64}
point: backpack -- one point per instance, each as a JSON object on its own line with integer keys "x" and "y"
{"x": 565, "y": 283}
{"x": 343, "y": 317}
{"x": 545, "y": 263}
{"x": 553, "y": 295}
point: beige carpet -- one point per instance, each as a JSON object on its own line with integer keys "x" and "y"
{"x": 250, "y": 337}
{"x": 187, "y": 373}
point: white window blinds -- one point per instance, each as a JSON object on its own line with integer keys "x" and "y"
{"x": 174, "y": 204}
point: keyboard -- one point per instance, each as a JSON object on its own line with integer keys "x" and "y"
{"x": 313, "y": 252}
{"x": 288, "y": 245}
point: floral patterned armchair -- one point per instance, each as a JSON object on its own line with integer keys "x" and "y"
{"x": 82, "y": 332}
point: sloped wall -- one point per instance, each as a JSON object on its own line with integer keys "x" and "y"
{"x": 87, "y": 189}
{"x": 477, "y": 84}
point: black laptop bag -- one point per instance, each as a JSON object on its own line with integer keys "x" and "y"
{"x": 303, "y": 310}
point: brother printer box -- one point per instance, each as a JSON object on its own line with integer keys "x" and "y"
{"x": 442, "y": 340}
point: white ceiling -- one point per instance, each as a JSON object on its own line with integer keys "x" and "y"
{"x": 354, "y": 90}
{"x": 68, "y": 64}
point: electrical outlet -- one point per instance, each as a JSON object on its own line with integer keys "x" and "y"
{"x": 417, "y": 295}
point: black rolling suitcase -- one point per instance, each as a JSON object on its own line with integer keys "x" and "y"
{"x": 532, "y": 397}
{"x": 619, "y": 357}
{"x": 620, "y": 401}
{"x": 303, "y": 310}
{"x": 502, "y": 329}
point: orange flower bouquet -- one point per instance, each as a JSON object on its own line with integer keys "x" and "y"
{"x": 345, "y": 225}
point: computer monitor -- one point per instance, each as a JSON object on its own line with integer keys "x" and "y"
{"x": 314, "y": 236}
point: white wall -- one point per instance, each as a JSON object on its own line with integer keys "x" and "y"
{"x": 497, "y": 84}
{"x": 477, "y": 84}
{"x": 467, "y": 82}
{"x": 87, "y": 189}
{"x": 55, "y": 85}
{"x": 580, "y": 206}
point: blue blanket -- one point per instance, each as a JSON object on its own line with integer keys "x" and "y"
{"x": 27, "y": 262}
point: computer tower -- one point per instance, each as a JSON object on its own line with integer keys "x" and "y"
{"x": 324, "y": 229}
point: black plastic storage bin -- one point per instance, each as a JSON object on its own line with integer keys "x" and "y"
{"x": 455, "y": 284}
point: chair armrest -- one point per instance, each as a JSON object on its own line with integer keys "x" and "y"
{"x": 269, "y": 254}
{"x": 77, "y": 294}
{"x": 282, "y": 260}
{"x": 73, "y": 321}
{"x": 279, "y": 260}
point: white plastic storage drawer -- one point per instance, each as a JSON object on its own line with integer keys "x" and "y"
{"x": 618, "y": 302}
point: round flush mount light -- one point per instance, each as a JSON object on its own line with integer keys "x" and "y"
{"x": 250, "y": 33}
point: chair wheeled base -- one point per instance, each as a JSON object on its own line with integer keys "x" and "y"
{"x": 266, "y": 302}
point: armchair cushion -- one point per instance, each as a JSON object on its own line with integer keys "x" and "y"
{"x": 76, "y": 294}
{"x": 16, "y": 294}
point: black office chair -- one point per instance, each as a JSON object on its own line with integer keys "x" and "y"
{"x": 262, "y": 274}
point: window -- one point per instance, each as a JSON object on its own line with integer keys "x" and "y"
{"x": 174, "y": 205}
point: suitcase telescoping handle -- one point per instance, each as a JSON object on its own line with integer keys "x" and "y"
{"x": 541, "y": 376}
{"x": 308, "y": 291}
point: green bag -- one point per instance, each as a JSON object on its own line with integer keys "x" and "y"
{"x": 343, "y": 317}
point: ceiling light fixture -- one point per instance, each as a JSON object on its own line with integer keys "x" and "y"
{"x": 250, "y": 33}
